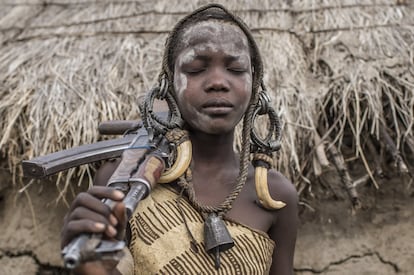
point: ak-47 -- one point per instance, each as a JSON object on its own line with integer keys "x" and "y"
{"x": 154, "y": 151}
{"x": 144, "y": 160}
{"x": 139, "y": 171}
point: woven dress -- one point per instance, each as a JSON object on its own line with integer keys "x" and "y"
{"x": 160, "y": 242}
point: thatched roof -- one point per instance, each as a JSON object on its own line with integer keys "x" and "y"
{"x": 339, "y": 70}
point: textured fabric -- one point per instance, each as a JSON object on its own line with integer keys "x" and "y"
{"x": 160, "y": 243}
{"x": 126, "y": 265}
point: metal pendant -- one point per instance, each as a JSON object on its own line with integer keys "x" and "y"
{"x": 216, "y": 237}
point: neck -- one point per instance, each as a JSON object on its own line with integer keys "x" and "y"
{"x": 213, "y": 151}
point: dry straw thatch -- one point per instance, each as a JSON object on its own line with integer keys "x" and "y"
{"x": 340, "y": 72}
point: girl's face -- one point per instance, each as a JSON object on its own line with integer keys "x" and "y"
{"x": 213, "y": 76}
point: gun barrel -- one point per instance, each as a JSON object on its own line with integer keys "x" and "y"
{"x": 73, "y": 253}
{"x": 53, "y": 163}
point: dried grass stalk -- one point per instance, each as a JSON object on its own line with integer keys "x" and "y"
{"x": 343, "y": 66}
{"x": 342, "y": 169}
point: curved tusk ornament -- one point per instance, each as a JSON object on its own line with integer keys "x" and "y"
{"x": 262, "y": 190}
{"x": 182, "y": 162}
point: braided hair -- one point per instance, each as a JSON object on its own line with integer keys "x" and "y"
{"x": 209, "y": 12}
{"x": 174, "y": 45}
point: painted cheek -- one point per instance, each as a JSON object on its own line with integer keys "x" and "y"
{"x": 180, "y": 79}
{"x": 180, "y": 85}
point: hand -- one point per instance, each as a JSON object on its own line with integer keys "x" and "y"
{"x": 88, "y": 214}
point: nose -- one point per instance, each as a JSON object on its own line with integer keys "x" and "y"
{"x": 217, "y": 81}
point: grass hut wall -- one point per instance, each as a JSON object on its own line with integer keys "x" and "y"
{"x": 340, "y": 73}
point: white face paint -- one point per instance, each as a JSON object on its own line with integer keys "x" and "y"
{"x": 180, "y": 84}
{"x": 212, "y": 28}
{"x": 207, "y": 33}
{"x": 180, "y": 81}
{"x": 217, "y": 41}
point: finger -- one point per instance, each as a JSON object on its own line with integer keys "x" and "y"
{"x": 119, "y": 212}
{"x": 104, "y": 192}
{"x": 99, "y": 192}
{"x": 111, "y": 232}
{"x": 91, "y": 202}
{"x": 83, "y": 213}
{"x": 94, "y": 210}
{"x": 77, "y": 227}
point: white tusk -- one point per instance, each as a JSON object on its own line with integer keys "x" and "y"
{"x": 183, "y": 160}
{"x": 262, "y": 190}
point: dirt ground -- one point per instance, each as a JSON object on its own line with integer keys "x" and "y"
{"x": 333, "y": 239}
{"x": 376, "y": 239}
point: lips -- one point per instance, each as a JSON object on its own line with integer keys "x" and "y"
{"x": 217, "y": 106}
{"x": 217, "y": 102}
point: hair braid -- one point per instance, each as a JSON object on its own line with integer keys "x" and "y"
{"x": 208, "y": 12}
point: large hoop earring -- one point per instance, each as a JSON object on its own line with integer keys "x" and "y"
{"x": 153, "y": 122}
{"x": 170, "y": 126}
{"x": 262, "y": 150}
{"x": 271, "y": 142}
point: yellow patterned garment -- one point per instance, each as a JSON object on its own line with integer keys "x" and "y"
{"x": 160, "y": 243}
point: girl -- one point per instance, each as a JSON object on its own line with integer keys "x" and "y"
{"x": 214, "y": 73}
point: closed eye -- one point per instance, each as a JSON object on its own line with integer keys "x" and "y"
{"x": 194, "y": 68}
{"x": 237, "y": 70}
{"x": 194, "y": 71}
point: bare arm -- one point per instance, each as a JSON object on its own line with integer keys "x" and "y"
{"x": 284, "y": 228}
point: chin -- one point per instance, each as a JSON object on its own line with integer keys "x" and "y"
{"x": 217, "y": 126}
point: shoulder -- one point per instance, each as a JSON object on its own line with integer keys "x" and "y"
{"x": 281, "y": 188}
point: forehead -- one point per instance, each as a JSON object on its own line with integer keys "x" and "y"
{"x": 215, "y": 32}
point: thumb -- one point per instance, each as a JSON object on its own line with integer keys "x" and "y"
{"x": 119, "y": 211}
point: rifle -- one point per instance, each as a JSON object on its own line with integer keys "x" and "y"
{"x": 139, "y": 171}
{"x": 133, "y": 146}
{"x": 53, "y": 163}
{"x": 143, "y": 164}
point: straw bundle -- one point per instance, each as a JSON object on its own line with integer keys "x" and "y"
{"x": 340, "y": 73}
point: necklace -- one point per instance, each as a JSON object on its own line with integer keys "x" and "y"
{"x": 216, "y": 235}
